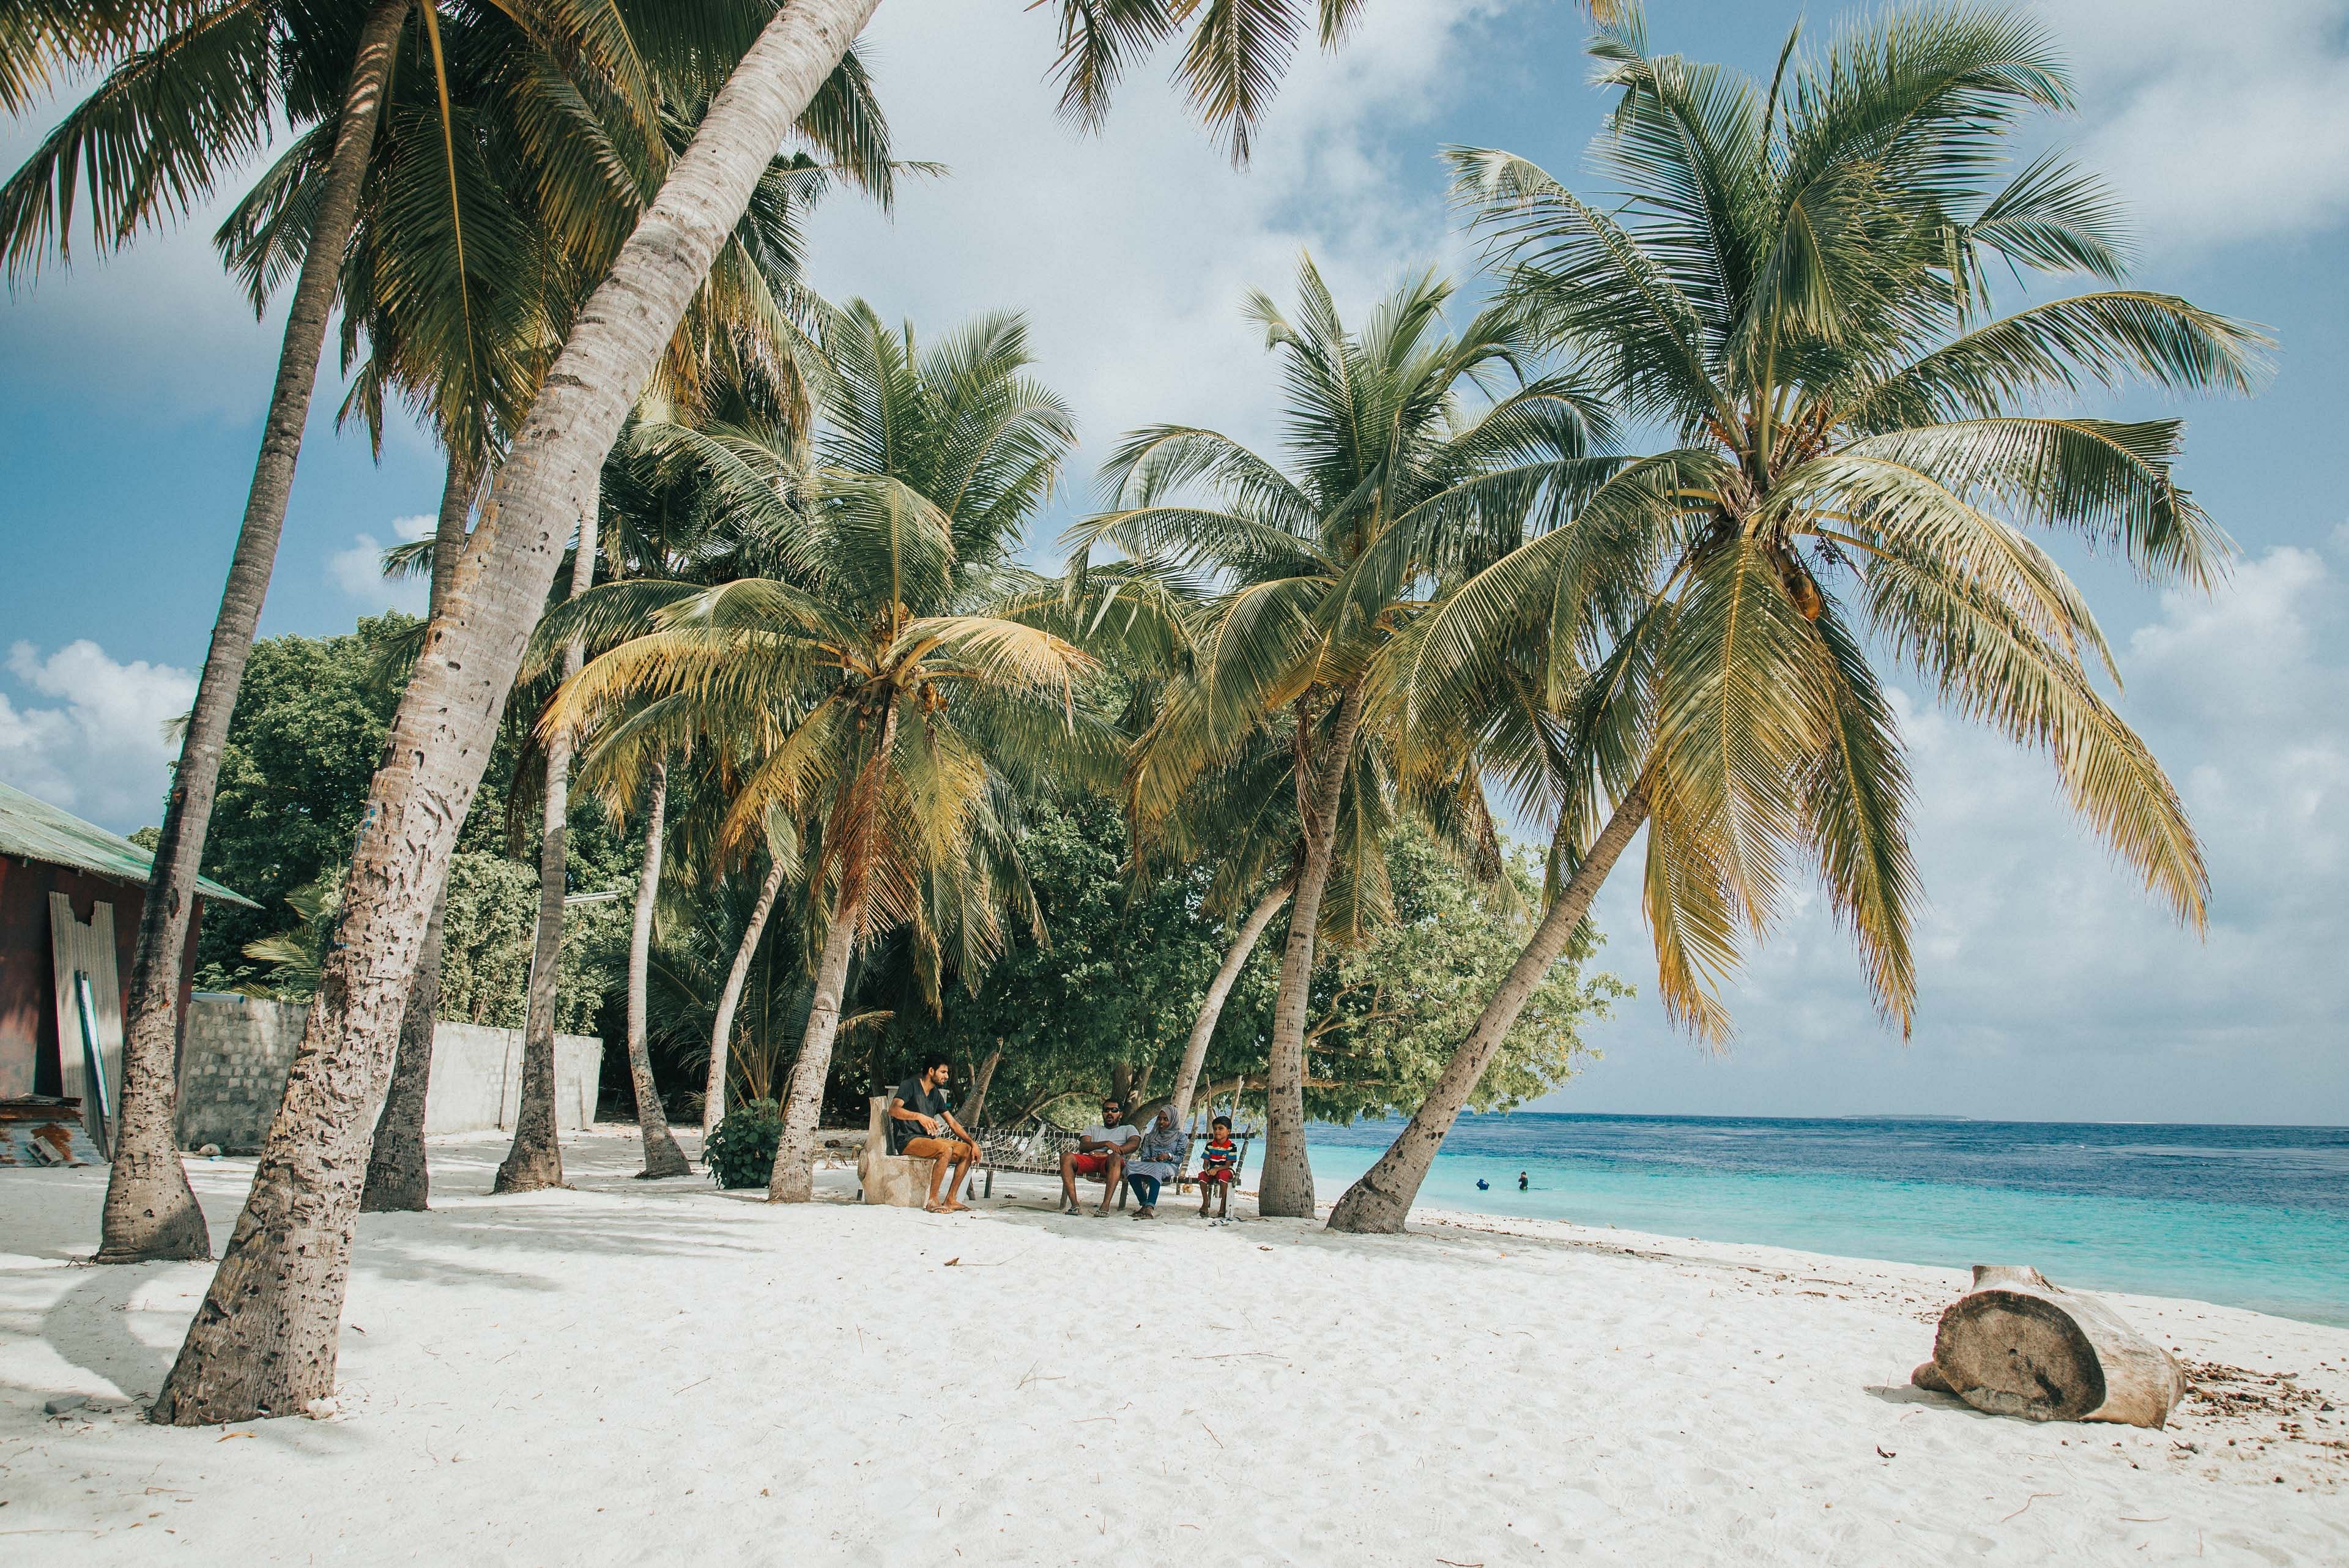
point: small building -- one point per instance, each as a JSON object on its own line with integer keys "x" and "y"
{"x": 46, "y": 851}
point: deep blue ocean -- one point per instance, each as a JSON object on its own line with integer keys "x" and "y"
{"x": 2250, "y": 1217}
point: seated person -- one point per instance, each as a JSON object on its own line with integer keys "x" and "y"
{"x": 1219, "y": 1159}
{"x": 1099, "y": 1155}
{"x": 921, "y": 1128}
{"x": 1156, "y": 1162}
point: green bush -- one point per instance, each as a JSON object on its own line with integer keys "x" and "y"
{"x": 741, "y": 1151}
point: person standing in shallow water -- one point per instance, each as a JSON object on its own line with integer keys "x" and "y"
{"x": 1524, "y": 1181}
{"x": 921, "y": 1128}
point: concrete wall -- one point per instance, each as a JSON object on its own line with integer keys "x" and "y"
{"x": 236, "y": 1051}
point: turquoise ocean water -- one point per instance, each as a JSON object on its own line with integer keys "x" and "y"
{"x": 2250, "y": 1217}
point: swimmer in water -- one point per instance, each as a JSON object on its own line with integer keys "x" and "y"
{"x": 1524, "y": 1181}
{"x": 1483, "y": 1185}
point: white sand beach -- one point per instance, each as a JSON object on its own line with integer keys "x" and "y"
{"x": 638, "y": 1373}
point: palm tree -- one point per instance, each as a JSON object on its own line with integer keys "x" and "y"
{"x": 284, "y": 1278}
{"x": 194, "y": 91}
{"x": 189, "y": 95}
{"x": 477, "y": 229}
{"x": 696, "y": 502}
{"x": 1319, "y": 582}
{"x": 667, "y": 525}
{"x": 901, "y": 704}
{"x": 1797, "y": 289}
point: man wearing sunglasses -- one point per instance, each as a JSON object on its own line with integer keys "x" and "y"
{"x": 1099, "y": 1155}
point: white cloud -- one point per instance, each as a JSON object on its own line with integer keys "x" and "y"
{"x": 1130, "y": 249}
{"x": 2219, "y": 123}
{"x": 358, "y": 570}
{"x": 2050, "y": 984}
{"x": 101, "y": 750}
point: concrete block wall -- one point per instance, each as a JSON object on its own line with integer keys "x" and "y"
{"x": 234, "y": 1056}
{"x": 237, "y": 1049}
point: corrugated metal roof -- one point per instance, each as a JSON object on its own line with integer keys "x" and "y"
{"x": 33, "y": 829}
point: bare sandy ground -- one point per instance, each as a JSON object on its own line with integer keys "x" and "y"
{"x": 659, "y": 1373}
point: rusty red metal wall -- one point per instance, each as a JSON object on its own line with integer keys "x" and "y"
{"x": 29, "y": 1011}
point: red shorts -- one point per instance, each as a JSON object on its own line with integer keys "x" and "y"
{"x": 1093, "y": 1165}
{"x": 1213, "y": 1178}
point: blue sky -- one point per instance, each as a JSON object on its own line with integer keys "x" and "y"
{"x": 2051, "y": 988}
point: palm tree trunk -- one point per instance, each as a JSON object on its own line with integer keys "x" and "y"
{"x": 1203, "y": 1029}
{"x": 662, "y": 1157}
{"x": 267, "y": 1336}
{"x": 398, "y": 1178}
{"x": 721, "y": 1032}
{"x": 151, "y": 1212}
{"x": 975, "y": 1108}
{"x": 535, "y": 1160}
{"x": 1379, "y": 1202}
{"x": 792, "y": 1181}
{"x": 1286, "y": 1187}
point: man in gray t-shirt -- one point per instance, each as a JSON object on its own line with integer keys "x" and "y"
{"x": 1099, "y": 1155}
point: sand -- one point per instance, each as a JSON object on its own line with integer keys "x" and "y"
{"x": 659, "y": 1373}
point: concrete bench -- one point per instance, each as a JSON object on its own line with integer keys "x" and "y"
{"x": 897, "y": 1180}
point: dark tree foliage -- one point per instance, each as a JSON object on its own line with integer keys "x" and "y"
{"x": 1109, "y": 996}
{"x": 303, "y": 744}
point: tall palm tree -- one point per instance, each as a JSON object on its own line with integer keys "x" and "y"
{"x": 667, "y": 525}
{"x": 1317, "y": 580}
{"x": 148, "y": 153}
{"x": 193, "y": 91}
{"x": 1796, "y": 287}
{"x": 283, "y": 1279}
{"x": 902, "y": 703}
{"x": 480, "y": 228}
{"x": 698, "y": 502}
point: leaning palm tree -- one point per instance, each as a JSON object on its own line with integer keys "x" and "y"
{"x": 283, "y": 1279}
{"x": 477, "y": 229}
{"x": 1318, "y": 581}
{"x": 900, "y": 702}
{"x": 1794, "y": 281}
{"x": 194, "y": 91}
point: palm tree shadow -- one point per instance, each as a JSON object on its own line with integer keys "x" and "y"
{"x": 89, "y": 1326}
{"x": 473, "y": 1244}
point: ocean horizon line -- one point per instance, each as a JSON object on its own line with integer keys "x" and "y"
{"x": 1868, "y": 1117}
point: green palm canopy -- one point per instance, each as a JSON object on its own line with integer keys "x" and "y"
{"x": 1400, "y": 439}
{"x": 1794, "y": 283}
{"x": 897, "y": 703}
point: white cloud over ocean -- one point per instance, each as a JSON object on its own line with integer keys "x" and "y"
{"x": 2051, "y": 985}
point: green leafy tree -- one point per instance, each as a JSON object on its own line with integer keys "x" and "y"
{"x": 302, "y": 746}
{"x": 1794, "y": 281}
{"x": 1105, "y": 994}
{"x": 1387, "y": 1011}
